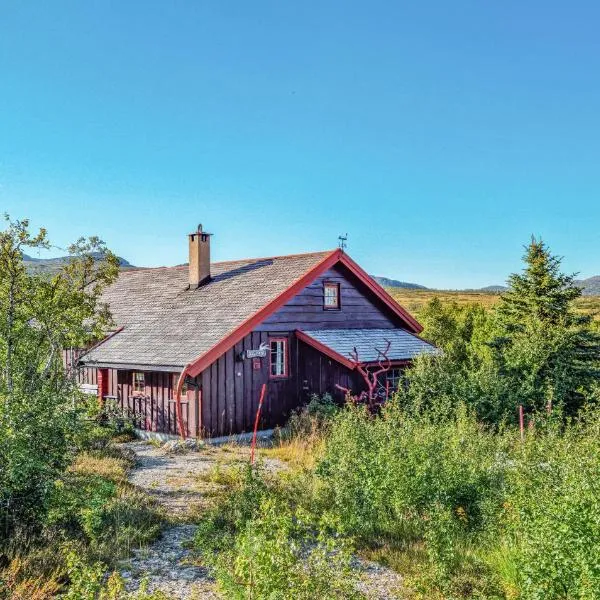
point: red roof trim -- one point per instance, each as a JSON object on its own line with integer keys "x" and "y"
{"x": 413, "y": 325}
{"x": 323, "y": 349}
{"x": 199, "y": 364}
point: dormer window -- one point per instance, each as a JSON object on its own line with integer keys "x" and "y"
{"x": 331, "y": 296}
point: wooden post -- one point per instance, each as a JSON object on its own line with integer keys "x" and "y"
{"x": 102, "y": 385}
{"x": 178, "y": 411}
{"x": 521, "y": 422}
{"x": 260, "y": 403}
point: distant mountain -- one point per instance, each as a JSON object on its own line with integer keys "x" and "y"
{"x": 394, "y": 283}
{"x": 50, "y": 265}
{"x": 492, "y": 289}
{"x": 591, "y": 285}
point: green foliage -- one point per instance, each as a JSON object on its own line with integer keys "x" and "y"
{"x": 497, "y": 517}
{"x": 261, "y": 545}
{"x": 540, "y": 292}
{"x": 461, "y": 330}
{"x": 533, "y": 349}
{"x": 41, "y": 410}
{"x": 391, "y": 477}
{"x": 314, "y": 418}
{"x": 548, "y": 351}
{"x": 552, "y": 513}
{"x": 94, "y": 518}
{"x": 105, "y": 514}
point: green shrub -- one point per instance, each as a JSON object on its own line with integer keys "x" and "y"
{"x": 108, "y": 518}
{"x": 497, "y": 517}
{"x": 261, "y": 545}
{"x": 312, "y": 419}
{"x": 552, "y": 514}
{"x": 387, "y": 476}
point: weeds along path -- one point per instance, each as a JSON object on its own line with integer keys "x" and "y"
{"x": 179, "y": 484}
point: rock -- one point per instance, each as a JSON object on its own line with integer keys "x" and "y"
{"x": 182, "y": 446}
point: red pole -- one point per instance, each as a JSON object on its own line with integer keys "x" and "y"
{"x": 260, "y": 402}
{"x": 521, "y": 423}
{"x": 102, "y": 385}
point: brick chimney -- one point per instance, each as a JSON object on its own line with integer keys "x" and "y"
{"x": 199, "y": 243}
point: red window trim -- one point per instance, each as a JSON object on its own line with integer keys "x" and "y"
{"x": 336, "y": 285}
{"x": 286, "y": 367}
{"x": 133, "y": 390}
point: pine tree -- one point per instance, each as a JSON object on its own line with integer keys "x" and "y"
{"x": 546, "y": 348}
{"x": 541, "y": 292}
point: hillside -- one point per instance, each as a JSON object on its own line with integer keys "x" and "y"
{"x": 394, "y": 283}
{"x": 414, "y": 300}
{"x": 591, "y": 285}
{"x": 50, "y": 265}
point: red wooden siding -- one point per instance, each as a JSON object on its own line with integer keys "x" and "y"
{"x": 155, "y": 409}
{"x": 225, "y": 396}
{"x": 359, "y": 308}
{"x": 230, "y": 389}
{"x": 319, "y": 374}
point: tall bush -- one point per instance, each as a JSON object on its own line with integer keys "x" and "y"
{"x": 392, "y": 476}
{"x": 40, "y": 408}
{"x": 552, "y": 513}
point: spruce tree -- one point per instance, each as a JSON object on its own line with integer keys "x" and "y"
{"x": 546, "y": 348}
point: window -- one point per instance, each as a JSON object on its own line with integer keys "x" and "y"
{"x": 393, "y": 378}
{"x": 389, "y": 382}
{"x": 331, "y": 296}
{"x": 139, "y": 383}
{"x": 279, "y": 358}
{"x": 184, "y": 387}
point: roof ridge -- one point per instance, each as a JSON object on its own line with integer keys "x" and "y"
{"x": 299, "y": 254}
{"x": 225, "y": 262}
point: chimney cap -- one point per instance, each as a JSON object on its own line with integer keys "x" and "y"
{"x": 200, "y": 231}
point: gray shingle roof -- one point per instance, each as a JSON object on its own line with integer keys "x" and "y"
{"x": 404, "y": 345}
{"x": 166, "y": 325}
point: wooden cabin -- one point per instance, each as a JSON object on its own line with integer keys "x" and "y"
{"x": 214, "y": 333}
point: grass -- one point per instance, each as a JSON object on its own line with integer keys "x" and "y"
{"x": 96, "y": 517}
{"x": 415, "y": 300}
{"x": 113, "y": 468}
{"x": 410, "y": 560}
{"x": 298, "y": 452}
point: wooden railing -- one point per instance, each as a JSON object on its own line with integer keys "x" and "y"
{"x": 148, "y": 414}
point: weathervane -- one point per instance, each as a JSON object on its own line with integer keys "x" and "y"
{"x": 342, "y": 241}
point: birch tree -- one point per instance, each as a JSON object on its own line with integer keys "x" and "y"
{"x": 40, "y": 315}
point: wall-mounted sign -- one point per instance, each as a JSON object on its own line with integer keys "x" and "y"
{"x": 259, "y": 352}
{"x": 256, "y": 365}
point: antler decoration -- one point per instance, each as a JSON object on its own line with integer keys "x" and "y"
{"x": 370, "y": 376}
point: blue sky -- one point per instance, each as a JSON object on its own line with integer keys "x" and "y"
{"x": 439, "y": 135}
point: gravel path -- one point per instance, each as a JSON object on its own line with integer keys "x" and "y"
{"x": 176, "y": 482}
